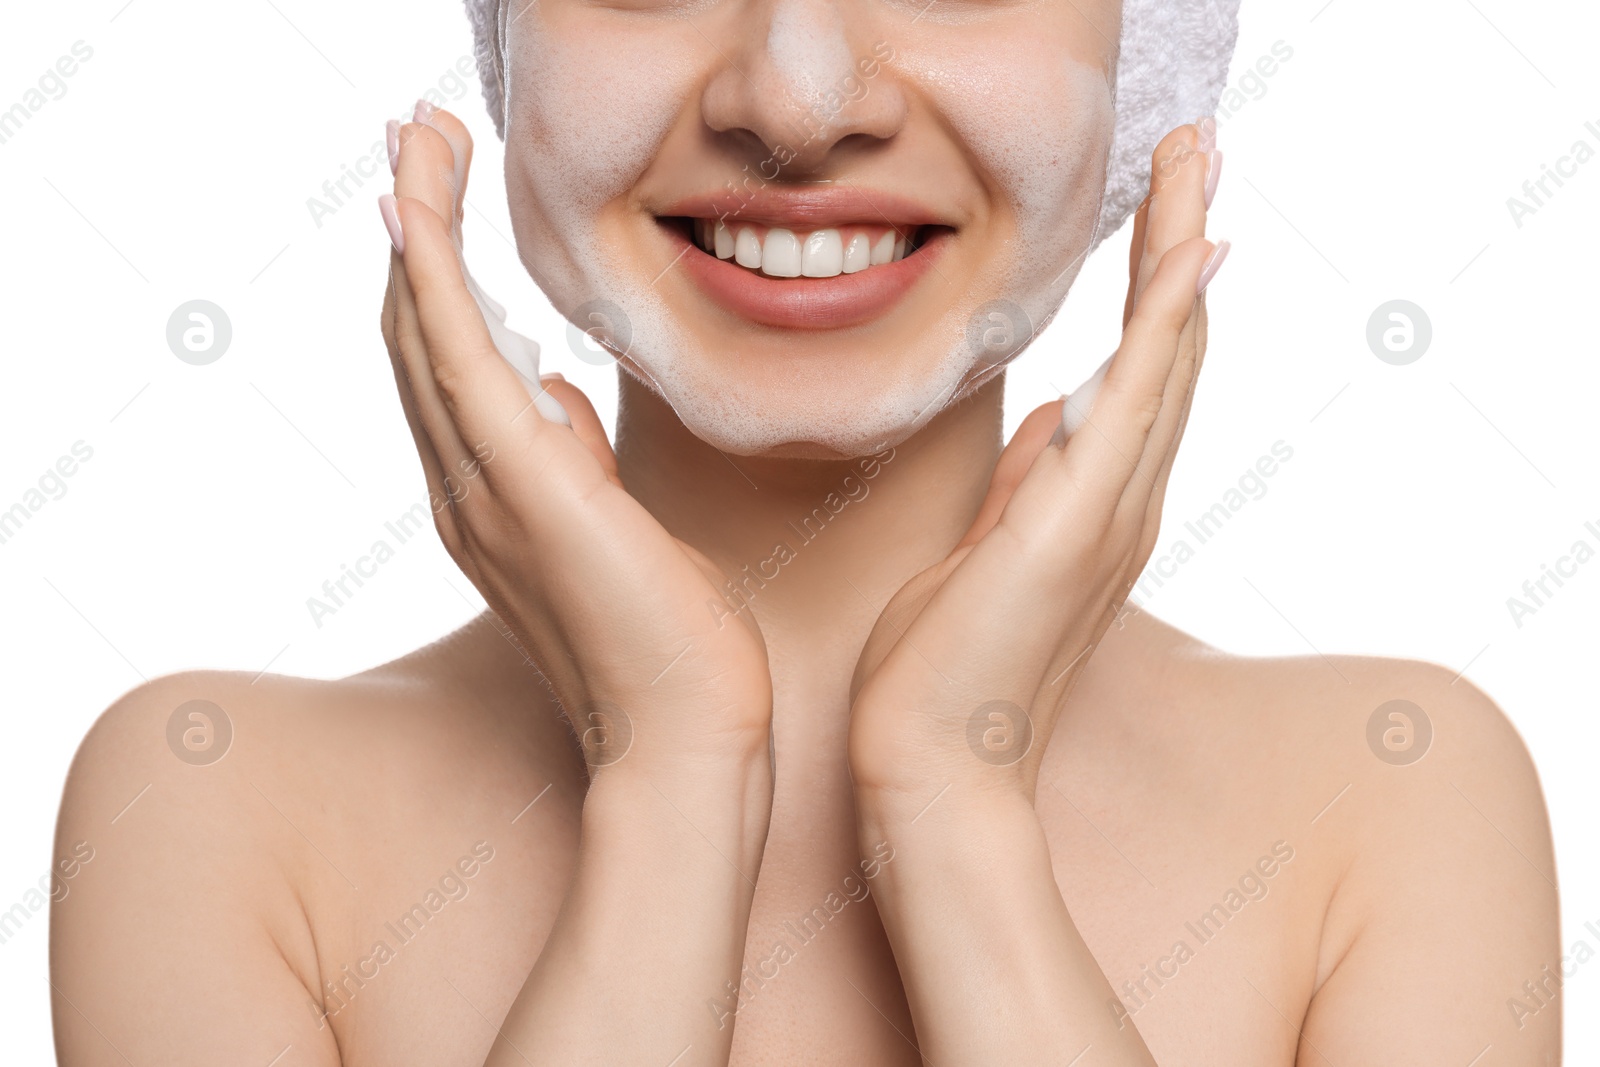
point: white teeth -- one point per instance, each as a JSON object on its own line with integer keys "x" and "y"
{"x": 857, "y": 254}
{"x": 786, "y": 254}
{"x": 823, "y": 254}
{"x": 883, "y": 249}
{"x": 747, "y": 249}
{"x": 780, "y": 255}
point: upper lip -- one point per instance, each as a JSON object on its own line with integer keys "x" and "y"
{"x": 813, "y": 208}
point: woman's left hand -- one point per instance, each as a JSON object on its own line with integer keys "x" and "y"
{"x": 965, "y": 675}
{"x": 966, "y": 672}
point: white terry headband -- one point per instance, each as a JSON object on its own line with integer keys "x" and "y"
{"x": 1172, "y": 68}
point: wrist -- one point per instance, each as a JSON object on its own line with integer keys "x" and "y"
{"x": 669, "y": 735}
{"x": 652, "y": 804}
{"x": 951, "y": 824}
{"x": 900, "y": 760}
{"x": 966, "y": 858}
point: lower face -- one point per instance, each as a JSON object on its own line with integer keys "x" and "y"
{"x": 808, "y": 236}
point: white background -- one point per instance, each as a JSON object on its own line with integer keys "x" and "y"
{"x": 1375, "y": 165}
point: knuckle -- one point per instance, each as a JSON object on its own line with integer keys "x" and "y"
{"x": 1145, "y": 410}
{"x": 450, "y": 383}
{"x": 444, "y": 524}
{"x": 1140, "y": 408}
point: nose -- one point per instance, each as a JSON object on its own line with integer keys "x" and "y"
{"x": 800, "y": 82}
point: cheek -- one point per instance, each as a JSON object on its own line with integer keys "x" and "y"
{"x": 1067, "y": 135}
{"x": 586, "y": 113}
{"x": 1042, "y": 131}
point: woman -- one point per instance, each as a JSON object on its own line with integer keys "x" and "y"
{"x": 807, "y": 725}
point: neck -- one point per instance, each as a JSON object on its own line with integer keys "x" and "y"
{"x": 814, "y": 548}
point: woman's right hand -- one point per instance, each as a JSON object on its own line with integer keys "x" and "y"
{"x": 614, "y": 610}
{"x": 619, "y": 616}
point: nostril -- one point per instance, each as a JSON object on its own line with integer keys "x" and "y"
{"x": 807, "y": 89}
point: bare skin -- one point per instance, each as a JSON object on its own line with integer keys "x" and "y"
{"x": 206, "y": 923}
{"x": 591, "y": 905}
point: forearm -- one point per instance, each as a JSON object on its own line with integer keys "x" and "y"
{"x": 653, "y": 925}
{"x": 994, "y": 968}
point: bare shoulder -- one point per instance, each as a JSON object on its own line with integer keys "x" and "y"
{"x": 1401, "y": 759}
{"x": 1414, "y": 794}
{"x": 1402, "y": 732}
{"x": 174, "y": 888}
{"x": 223, "y": 829}
{"x": 205, "y": 744}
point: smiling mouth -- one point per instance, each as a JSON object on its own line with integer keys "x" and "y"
{"x": 778, "y": 252}
{"x": 809, "y": 258}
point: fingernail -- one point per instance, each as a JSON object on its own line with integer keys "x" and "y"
{"x": 424, "y": 111}
{"x": 1208, "y": 135}
{"x": 391, "y": 135}
{"x": 1213, "y": 173}
{"x": 391, "y": 219}
{"x": 1213, "y": 264}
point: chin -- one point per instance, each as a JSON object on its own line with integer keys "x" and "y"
{"x": 840, "y": 419}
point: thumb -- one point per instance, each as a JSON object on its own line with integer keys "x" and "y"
{"x": 586, "y": 423}
{"x": 1026, "y": 444}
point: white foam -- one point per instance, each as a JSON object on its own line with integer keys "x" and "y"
{"x": 807, "y": 46}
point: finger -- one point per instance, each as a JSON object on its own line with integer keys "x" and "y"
{"x": 1177, "y": 207}
{"x": 433, "y": 167}
{"x": 1179, "y": 201}
{"x": 520, "y": 353}
{"x": 1202, "y": 332}
{"x": 1175, "y": 399}
{"x": 1107, "y": 453}
{"x": 410, "y": 347}
{"x": 428, "y": 171}
{"x": 586, "y": 423}
{"x": 1135, "y": 258}
{"x": 1179, "y": 395}
{"x": 483, "y": 396}
{"x": 432, "y": 468}
{"x": 459, "y": 138}
{"x": 1175, "y": 211}
{"x": 439, "y": 495}
{"x": 1015, "y": 462}
{"x": 1142, "y": 503}
{"x": 1197, "y": 328}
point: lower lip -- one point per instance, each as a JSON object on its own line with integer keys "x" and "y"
{"x": 808, "y": 303}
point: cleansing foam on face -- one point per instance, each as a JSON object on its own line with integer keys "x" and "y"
{"x": 1040, "y": 126}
